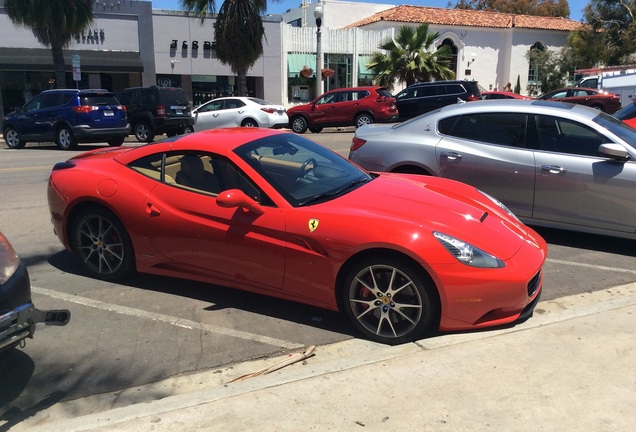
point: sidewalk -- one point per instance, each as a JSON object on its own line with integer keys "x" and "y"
{"x": 568, "y": 368}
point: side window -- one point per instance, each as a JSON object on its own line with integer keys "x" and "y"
{"x": 565, "y": 136}
{"x": 152, "y": 166}
{"x": 452, "y": 89}
{"x": 507, "y": 129}
{"x": 233, "y": 104}
{"x": 328, "y": 98}
{"x": 212, "y": 106}
{"x": 426, "y": 91}
{"x": 34, "y": 104}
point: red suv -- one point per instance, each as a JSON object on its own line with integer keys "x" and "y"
{"x": 354, "y": 106}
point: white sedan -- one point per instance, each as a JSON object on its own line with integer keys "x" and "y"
{"x": 239, "y": 111}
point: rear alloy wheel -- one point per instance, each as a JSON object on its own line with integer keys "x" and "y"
{"x": 102, "y": 244}
{"x": 249, "y": 123}
{"x": 315, "y": 129}
{"x": 388, "y": 300}
{"x": 65, "y": 138}
{"x": 12, "y": 138}
{"x": 143, "y": 132}
{"x": 363, "y": 119}
{"x": 299, "y": 125}
{"x": 115, "y": 141}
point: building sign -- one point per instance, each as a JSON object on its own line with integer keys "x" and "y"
{"x": 77, "y": 72}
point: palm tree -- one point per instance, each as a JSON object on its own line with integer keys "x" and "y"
{"x": 238, "y": 32}
{"x": 54, "y": 23}
{"x": 409, "y": 59}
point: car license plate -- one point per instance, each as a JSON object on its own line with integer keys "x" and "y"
{"x": 108, "y": 113}
{"x": 178, "y": 112}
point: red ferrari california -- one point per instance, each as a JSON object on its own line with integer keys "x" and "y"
{"x": 274, "y": 213}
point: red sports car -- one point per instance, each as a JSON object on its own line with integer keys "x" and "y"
{"x": 275, "y": 213}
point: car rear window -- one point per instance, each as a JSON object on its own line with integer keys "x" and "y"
{"x": 99, "y": 100}
{"x": 173, "y": 96}
{"x": 385, "y": 93}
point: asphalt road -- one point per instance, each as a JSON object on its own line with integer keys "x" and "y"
{"x": 150, "y": 328}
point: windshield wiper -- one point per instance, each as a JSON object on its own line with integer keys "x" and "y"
{"x": 338, "y": 191}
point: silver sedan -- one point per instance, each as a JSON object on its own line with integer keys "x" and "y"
{"x": 553, "y": 164}
{"x": 239, "y": 111}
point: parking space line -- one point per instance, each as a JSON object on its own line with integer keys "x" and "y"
{"x": 175, "y": 321}
{"x": 591, "y": 266}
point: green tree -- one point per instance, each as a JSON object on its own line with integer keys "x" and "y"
{"x": 548, "y": 71}
{"x": 238, "y": 32}
{"x": 553, "y": 8}
{"x": 611, "y": 32}
{"x": 409, "y": 59}
{"x": 54, "y": 23}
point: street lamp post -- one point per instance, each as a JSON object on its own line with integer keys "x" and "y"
{"x": 318, "y": 16}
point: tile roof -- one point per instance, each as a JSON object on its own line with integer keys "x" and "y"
{"x": 468, "y": 18}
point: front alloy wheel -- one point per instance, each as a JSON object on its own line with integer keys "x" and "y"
{"x": 102, "y": 244}
{"x": 388, "y": 301}
{"x": 12, "y": 138}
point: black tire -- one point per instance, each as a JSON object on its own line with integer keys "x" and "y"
{"x": 249, "y": 123}
{"x": 299, "y": 125}
{"x": 116, "y": 141}
{"x": 102, "y": 244}
{"x": 315, "y": 129}
{"x": 12, "y": 138}
{"x": 143, "y": 131}
{"x": 376, "y": 288}
{"x": 189, "y": 129}
{"x": 65, "y": 139}
{"x": 363, "y": 119}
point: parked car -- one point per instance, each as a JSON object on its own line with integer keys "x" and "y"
{"x": 627, "y": 114}
{"x": 553, "y": 164}
{"x": 272, "y": 212}
{"x": 488, "y": 95}
{"x": 239, "y": 111}
{"x": 423, "y": 97}
{"x": 354, "y": 106}
{"x": 599, "y": 99}
{"x": 157, "y": 110}
{"x": 18, "y": 315}
{"x": 67, "y": 117}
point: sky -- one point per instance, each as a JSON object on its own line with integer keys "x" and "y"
{"x": 279, "y": 7}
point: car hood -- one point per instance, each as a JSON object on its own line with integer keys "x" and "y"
{"x": 426, "y": 204}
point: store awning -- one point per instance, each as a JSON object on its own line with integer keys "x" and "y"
{"x": 38, "y": 59}
{"x": 295, "y": 63}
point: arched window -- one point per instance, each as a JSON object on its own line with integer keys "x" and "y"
{"x": 453, "y": 48}
{"x": 533, "y": 67}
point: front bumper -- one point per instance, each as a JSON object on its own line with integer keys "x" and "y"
{"x": 20, "y": 323}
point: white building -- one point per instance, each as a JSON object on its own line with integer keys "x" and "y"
{"x": 131, "y": 44}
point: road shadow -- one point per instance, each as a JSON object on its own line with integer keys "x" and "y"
{"x": 221, "y": 297}
{"x": 594, "y": 242}
{"x": 13, "y": 384}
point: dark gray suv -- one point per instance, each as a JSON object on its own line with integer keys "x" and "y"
{"x": 423, "y": 97}
{"x": 156, "y": 110}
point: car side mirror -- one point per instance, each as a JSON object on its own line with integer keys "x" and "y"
{"x": 614, "y": 151}
{"x": 237, "y": 198}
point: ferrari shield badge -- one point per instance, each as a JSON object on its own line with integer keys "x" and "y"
{"x": 313, "y": 224}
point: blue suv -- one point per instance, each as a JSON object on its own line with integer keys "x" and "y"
{"x": 68, "y": 117}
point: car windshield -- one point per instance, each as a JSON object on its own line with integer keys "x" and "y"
{"x": 302, "y": 171}
{"x": 626, "y": 112}
{"x": 617, "y": 127}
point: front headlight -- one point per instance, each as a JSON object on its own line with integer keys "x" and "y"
{"x": 9, "y": 260}
{"x": 467, "y": 253}
{"x": 500, "y": 205}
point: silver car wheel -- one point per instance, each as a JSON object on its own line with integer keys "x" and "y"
{"x": 65, "y": 138}
{"x": 386, "y": 301}
{"x": 102, "y": 244}
{"x": 12, "y": 138}
{"x": 363, "y": 119}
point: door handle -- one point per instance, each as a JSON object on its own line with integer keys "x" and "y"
{"x": 554, "y": 169}
{"x": 451, "y": 155}
{"x": 152, "y": 210}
